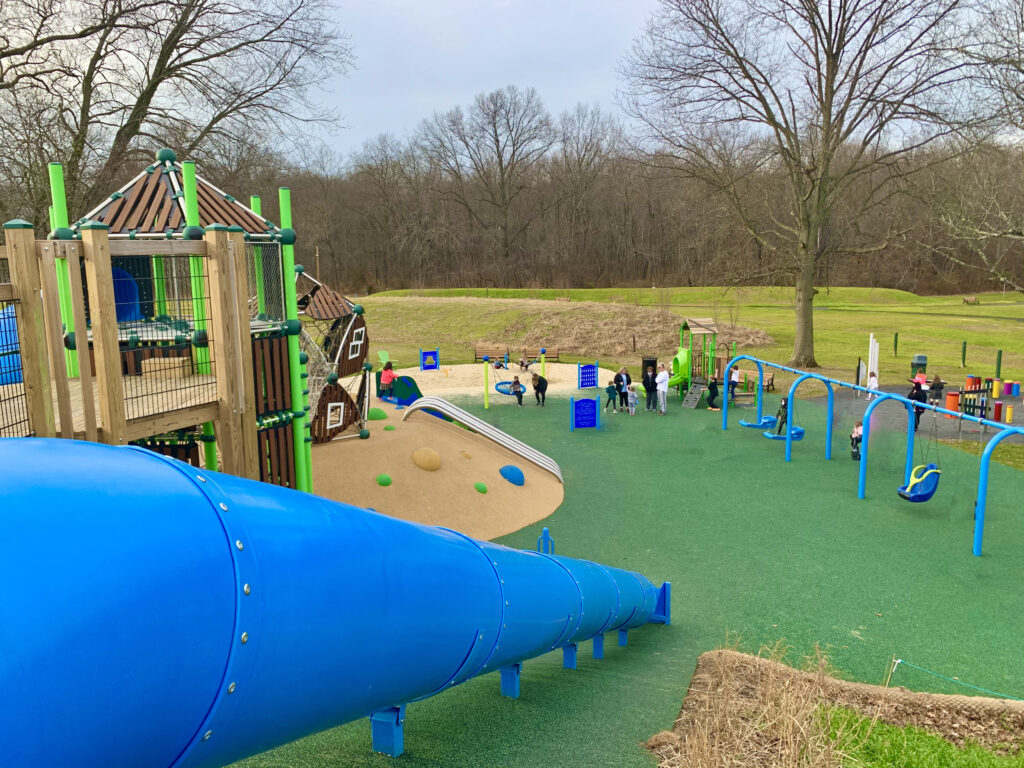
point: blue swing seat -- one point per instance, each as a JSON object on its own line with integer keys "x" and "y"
{"x": 796, "y": 432}
{"x": 924, "y": 481}
{"x": 505, "y": 388}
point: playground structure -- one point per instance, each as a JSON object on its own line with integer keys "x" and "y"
{"x": 450, "y": 412}
{"x": 284, "y": 637}
{"x": 690, "y": 364}
{"x": 334, "y": 344}
{"x": 171, "y": 318}
{"x": 926, "y": 477}
{"x": 168, "y": 316}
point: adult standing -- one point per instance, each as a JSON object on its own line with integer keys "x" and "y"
{"x": 540, "y": 388}
{"x": 661, "y": 380}
{"x": 622, "y": 382}
{"x": 651, "y": 387}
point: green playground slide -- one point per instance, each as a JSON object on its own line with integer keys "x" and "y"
{"x": 680, "y": 368}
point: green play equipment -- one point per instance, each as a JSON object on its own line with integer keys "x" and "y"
{"x": 690, "y": 362}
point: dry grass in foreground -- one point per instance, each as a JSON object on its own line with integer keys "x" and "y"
{"x": 744, "y": 710}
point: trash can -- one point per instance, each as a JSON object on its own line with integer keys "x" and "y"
{"x": 918, "y": 364}
{"x": 952, "y": 403}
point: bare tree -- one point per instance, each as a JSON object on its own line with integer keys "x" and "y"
{"x": 183, "y": 73}
{"x": 489, "y": 157}
{"x": 826, "y": 93}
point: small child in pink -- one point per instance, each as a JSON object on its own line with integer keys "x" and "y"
{"x": 387, "y": 379}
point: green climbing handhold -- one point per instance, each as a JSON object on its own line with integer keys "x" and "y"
{"x": 384, "y": 480}
{"x": 389, "y": 428}
{"x": 363, "y": 434}
{"x": 480, "y": 487}
{"x": 376, "y": 414}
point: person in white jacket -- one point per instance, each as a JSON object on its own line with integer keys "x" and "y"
{"x": 872, "y": 385}
{"x": 661, "y": 381}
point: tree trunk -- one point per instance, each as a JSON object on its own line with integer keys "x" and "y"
{"x": 803, "y": 343}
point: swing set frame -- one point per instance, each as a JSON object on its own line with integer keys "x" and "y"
{"x": 1002, "y": 430}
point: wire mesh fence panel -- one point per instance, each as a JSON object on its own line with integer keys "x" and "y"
{"x": 266, "y": 287}
{"x": 13, "y": 406}
{"x": 5, "y": 270}
{"x": 163, "y": 312}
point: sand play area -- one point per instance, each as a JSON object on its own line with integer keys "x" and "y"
{"x": 348, "y": 470}
{"x": 469, "y": 380}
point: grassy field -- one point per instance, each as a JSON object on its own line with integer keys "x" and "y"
{"x": 933, "y": 325}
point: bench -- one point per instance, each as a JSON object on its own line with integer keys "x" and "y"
{"x": 494, "y": 353}
{"x": 971, "y": 300}
{"x": 550, "y": 354}
{"x": 749, "y": 379}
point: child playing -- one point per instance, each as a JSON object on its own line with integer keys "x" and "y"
{"x": 631, "y": 399}
{"x": 613, "y": 397}
{"x": 872, "y": 384}
{"x": 856, "y": 436}
{"x": 517, "y": 390}
{"x": 712, "y": 394}
{"x": 387, "y": 379}
{"x": 781, "y": 417}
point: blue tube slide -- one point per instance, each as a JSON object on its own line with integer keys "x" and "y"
{"x": 155, "y": 615}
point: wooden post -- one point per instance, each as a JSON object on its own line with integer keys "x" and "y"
{"x": 247, "y": 394}
{"x": 52, "y": 313}
{"x": 71, "y": 251}
{"x": 103, "y": 313}
{"x": 223, "y": 336}
{"x": 35, "y": 370}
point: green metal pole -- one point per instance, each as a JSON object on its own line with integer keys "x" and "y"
{"x": 999, "y": 363}
{"x": 963, "y": 354}
{"x": 195, "y": 270}
{"x": 303, "y": 481}
{"x": 159, "y": 286}
{"x": 261, "y": 292}
{"x": 486, "y": 387}
{"x": 59, "y": 220}
{"x": 895, "y": 344}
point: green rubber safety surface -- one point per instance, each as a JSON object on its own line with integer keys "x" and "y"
{"x": 754, "y": 548}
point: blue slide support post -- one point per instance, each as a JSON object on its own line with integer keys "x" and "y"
{"x": 186, "y": 618}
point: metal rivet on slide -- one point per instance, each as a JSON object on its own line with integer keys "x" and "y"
{"x": 238, "y": 543}
{"x": 247, "y": 589}
{"x": 231, "y": 688}
{"x": 207, "y": 735}
{"x": 245, "y": 638}
{"x": 224, "y": 506}
{"x": 200, "y": 478}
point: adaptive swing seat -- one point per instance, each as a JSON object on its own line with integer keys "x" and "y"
{"x": 796, "y": 432}
{"x": 924, "y": 481}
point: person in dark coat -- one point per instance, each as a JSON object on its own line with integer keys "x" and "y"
{"x": 712, "y": 394}
{"x": 651, "y": 387}
{"x": 540, "y": 388}
{"x": 918, "y": 395}
{"x": 622, "y": 382}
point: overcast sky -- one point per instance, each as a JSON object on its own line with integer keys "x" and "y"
{"x": 417, "y": 57}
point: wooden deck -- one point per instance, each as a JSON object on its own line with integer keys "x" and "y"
{"x": 146, "y": 399}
